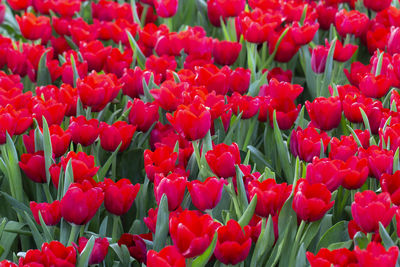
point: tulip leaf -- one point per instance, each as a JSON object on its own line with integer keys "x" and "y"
{"x": 8, "y": 237}
{"x": 203, "y": 259}
{"x": 305, "y": 59}
{"x": 265, "y": 241}
{"x": 355, "y": 136}
{"x": 74, "y": 70}
{"x": 379, "y": 64}
{"x": 346, "y": 244}
{"x": 69, "y": 178}
{"x": 48, "y": 150}
{"x": 137, "y": 53}
{"x": 47, "y": 235}
{"x": 84, "y": 256}
{"x": 301, "y": 255}
{"x": 17, "y": 205}
{"x": 248, "y": 213}
{"x": 242, "y": 197}
{"x": 337, "y": 233}
{"x": 282, "y": 151}
{"x": 121, "y": 253}
{"x": 386, "y": 239}
{"x": 38, "y": 140}
{"x": 43, "y": 74}
{"x": 104, "y": 169}
{"x": 396, "y": 163}
{"x": 162, "y": 224}
{"x": 366, "y": 121}
{"x": 79, "y": 108}
{"x": 280, "y": 244}
{"x": 328, "y": 70}
{"x": 35, "y": 232}
{"x": 146, "y": 89}
{"x": 360, "y": 240}
{"x": 232, "y": 128}
{"x": 310, "y": 232}
{"x": 14, "y": 170}
{"x": 301, "y": 121}
{"x": 219, "y": 130}
{"x": 103, "y": 227}
{"x": 258, "y": 158}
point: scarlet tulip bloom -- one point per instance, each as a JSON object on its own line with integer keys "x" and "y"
{"x": 355, "y": 172}
{"x": 99, "y": 251}
{"x": 233, "y": 243}
{"x": 166, "y": 8}
{"x": 60, "y": 140}
{"x": 377, "y": 6}
{"x": 245, "y": 104}
{"x": 319, "y": 56}
{"x": 391, "y": 183}
{"x": 169, "y": 96}
{"x": 56, "y": 254}
{"x": 325, "y": 113}
{"x": 132, "y": 81}
{"x": 83, "y": 131}
{"x": 223, "y": 158}
{"x": 225, "y": 52}
{"x": 142, "y": 115}
{"x": 168, "y": 257}
{"x": 379, "y": 160}
{"x": 344, "y": 148}
{"x": 51, "y": 212}
{"x": 6, "y": 263}
{"x": 83, "y": 165}
{"x": 376, "y": 255}
{"x": 97, "y": 90}
{"x": 392, "y": 133}
{"x": 19, "y": 4}
{"x": 34, "y": 28}
{"x": 255, "y": 27}
{"x": 80, "y": 203}
{"x": 302, "y": 35}
{"x": 192, "y": 232}
{"x": 213, "y": 78}
{"x": 119, "y": 196}
{"x": 325, "y": 171}
{"x": 352, "y": 104}
{"x": 173, "y": 186}
{"x": 368, "y": 209}
{"x": 351, "y": 22}
{"x": 326, "y": 15}
{"x": 136, "y": 246}
{"x": 281, "y": 90}
{"x": 270, "y": 196}
{"x": 160, "y": 65}
{"x": 306, "y": 144}
{"x": 311, "y": 201}
{"x": 162, "y": 160}
{"x": 32, "y": 256}
{"x": 95, "y": 53}
{"x": 287, "y": 48}
{"x": 206, "y": 195}
{"x": 66, "y": 8}
{"x": 33, "y": 166}
{"x": 239, "y": 80}
{"x": 337, "y": 257}
{"x": 375, "y": 87}
{"x": 113, "y": 135}
{"x": 193, "y": 121}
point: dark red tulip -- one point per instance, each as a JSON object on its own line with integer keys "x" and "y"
{"x": 337, "y": 257}
{"x": 233, "y": 243}
{"x": 379, "y": 160}
{"x": 33, "y": 166}
{"x": 376, "y": 255}
{"x": 223, "y": 158}
{"x": 34, "y": 28}
{"x": 83, "y": 131}
{"x": 319, "y": 56}
{"x": 142, "y": 115}
{"x": 344, "y": 148}
{"x": 192, "y": 232}
{"x": 83, "y": 166}
{"x": 169, "y": 256}
{"x": 206, "y": 195}
{"x": 81, "y": 202}
{"x": 166, "y": 8}
{"x": 355, "y": 172}
{"x": 325, "y": 171}
{"x": 117, "y": 62}
{"x": 377, "y": 5}
{"x": 311, "y": 201}
{"x": 118, "y": 133}
{"x": 270, "y": 196}
{"x": 99, "y": 251}
{"x": 325, "y": 113}
{"x": 51, "y": 212}
{"x": 351, "y": 22}
{"x": 239, "y": 80}
{"x": 226, "y": 52}
{"x": 173, "y": 186}
{"x": 374, "y": 86}
{"x": 391, "y": 183}
{"x": 370, "y": 209}
{"x": 119, "y": 196}
{"x": 136, "y": 246}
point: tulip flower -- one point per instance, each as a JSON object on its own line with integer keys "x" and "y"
{"x": 142, "y": 115}
{"x": 344, "y": 148}
{"x": 370, "y": 209}
{"x": 118, "y": 133}
{"x": 33, "y": 27}
{"x": 325, "y": 171}
{"x": 342, "y": 256}
{"x": 325, "y": 113}
{"x": 169, "y": 256}
{"x": 56, "y": 254}
{"x": 99, "y": 251}
{"x": 376, "y": 255}
{"x": 173, "y": 186}
{"x": 225, "y": 52}
{"x": 192, "y": 232}
{"x": 80, "y": 203}
{"x": 206, "y": 195}
{"x": 311, "y": 201}
{"x": 319, "y": 56}
{"x": 379, "y": 160}
{"x": 233, "y": 243}
{"x": 83, "y": 131}
{"x": 222, "y": 159}
{"x": 351, "y": 22}
{"x": 355, "y": 172}
{"x": 135, "y": 245}
{"x": 375, "y": 87}
{"x": 51, "y": 212}
{"x": 377, "y": 6}
{"x": 119, "y": 196}
{"x": 391, "y": 183}
{"x": 33, "y": 166}
{"x": 83, "y": 165}
{"x": 166, "y": 8}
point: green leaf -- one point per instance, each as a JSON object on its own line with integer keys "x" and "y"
{"x": 396, "y": 163}
{"x": 162, "y": 224}
{"x": 15, "y": 203}
{"x": 346, "y": 244}
{"x": 242, "y": 197}
{"x": 248, "y": 213}
{"x": 137, "y": 53}
{"x": 365, "y": 119}
{"x": 43, "y": 74}
{"x": 301, "y": 255}
{"x": 232, "y": 128}
{"x": 83, "y": 259}
{"x": 337, "y": 233}
{"x": 8, "y": 237}
{"x": 360, "y": 240}
{"x": 48, "y": 236}
{"x": 258, "y": 157}
{"x": 35, "y": 232}
{"x": 386, "y": 239}
{"x": 355, "y": 136}
{"x": 282, "y": 151}
{"x": 265, "y": 241}
{"x": 104, "y": 169}
{"x": 203, "y": 259}
{"x": 69, "y": 177}
{"x": 310, "y": 232}
{"x": 328, "y": 70}
{"x": 74, "y": 70}
{"x": 48, "y": 150}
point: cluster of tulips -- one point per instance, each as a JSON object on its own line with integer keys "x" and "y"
{"x": 199, "y": 133}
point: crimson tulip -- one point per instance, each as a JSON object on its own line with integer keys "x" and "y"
{"x": 33, "y": 27}
{"x": 33, "y": 166}
{"x": 142, "y": 115}
{"x": 379, "y": 160}
{"x": 337, "y": 257}
{"x": 222, "y": 159}
{"x": 173, "y": 186}
{"x": 355, "y": 172}
{"x": 166, "y": 8}
{"x": 51, "y": 212}
{"x": 118, "y": 133}
{"x": 351, "y": 22}
{"x": 325, "y": 171}
{"x": 136, "y": 246}
{"x": 376, "y": 255}
{"x": 169, "y": 256}
{"x": 325, "y": 113}
{"x": 391, "y": 183}
{"x": 206, "y": 195}
{"x": 374, "y": 86}
{"x": 99, "y": 251}
{"x": 83, "y": 131}
{"x": 56, "y": 254}
{"x": 226, "y": 52}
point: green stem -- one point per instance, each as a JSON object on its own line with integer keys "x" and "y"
{"x": 47, "y": 193}
{"x": 72, "y": 235}
{"x": 115, "y": 228}
{"x": 114, "y": 168}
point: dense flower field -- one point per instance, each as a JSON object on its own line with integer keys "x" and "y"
{"x": 199, "y": 133}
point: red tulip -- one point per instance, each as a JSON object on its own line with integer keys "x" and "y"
{"x": 192, "y": 121}
{"x": 311, "y": 201}
{"x": 33, "y": 27}
{"x": 118, "y": 61}
{"x": 239, "y": 80}
{"x": 368, "y": 209}
{"x": 342, "y": 53}
{"x": 56, "y": 254}
{"x": 173, "y": 186}
{"x": 337, "y": 257}
{"x": 226, "y": 52}
{"x": 233, "y": 243}
{"x": 83, "y": 131}
{"x": 376, "y": 255}
{"x": 119, "y": 196}
{"x": 351, "y": 22}
{"x": 377, "y": 5}
{"x": 375, "y": 87}
{"x": 33, "y": 166}
{"x": 80, "y": 203}
{"x": 302, "y": 35}
{"x": 277, "y": 89}
{"x": 325, "y": 171}
{"x": 355, "y": 172}
{"x": 192, "y": 232}
{"x": 169, "y": 256}
{"x": 19, "y": 4}
{"x": 136, "y": 246}
{"x": 379, "y": 160}
{"x": 206, "y": 195}
{"x": 94, "y": 52}
{"x": 344, "y": 148}
{"x": 118, "y": 133}
{"x": 391, "y": 183}
{"x": 169, "y": 96}
{"x": 245, "y": 104}
{"x": 32, "y": 257}
{"x": 51, "y": 212}
{"x": 99, "y": 251}
{"x": 166, "y": 8}
{"x": 83, "y": 165}
{"x": 325, "y": 113}
{"x": 222, "y": 159}
{"x": 319, "y": 56}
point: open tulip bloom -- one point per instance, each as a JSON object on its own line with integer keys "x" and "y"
{"x": 199, "y": 133}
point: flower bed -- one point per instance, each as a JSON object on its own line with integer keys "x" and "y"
{"x": 199, "y": 133}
